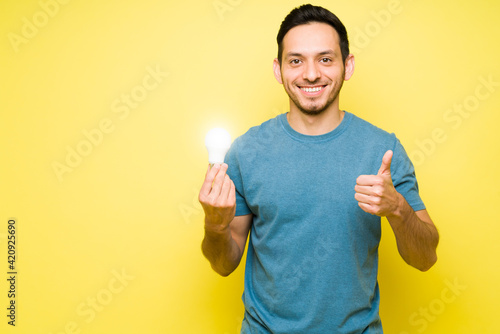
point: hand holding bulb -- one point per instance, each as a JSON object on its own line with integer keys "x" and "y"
{"x": 217, "y": 194}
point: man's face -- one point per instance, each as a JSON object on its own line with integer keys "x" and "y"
{"x": 312, "y": 71}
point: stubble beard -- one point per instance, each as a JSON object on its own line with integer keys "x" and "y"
{"x": 315, "y": 109}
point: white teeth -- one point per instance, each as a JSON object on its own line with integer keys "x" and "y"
{"x": 311, "y": 90}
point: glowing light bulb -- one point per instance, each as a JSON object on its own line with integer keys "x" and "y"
{"x": 217, "y": 142}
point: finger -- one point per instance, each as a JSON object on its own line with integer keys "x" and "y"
{"x": 368, "y": 180}
{"x": 365, "y": 190}
{"x": 218, "y": 181}
{"x": 366, "y": 199}
{"x": 226, "y": 187}
{"x": 385, "y": 168}
{"x": 232, "y": 193}
{"x": 209, "y": 179}
{"x": 366, "y": 207}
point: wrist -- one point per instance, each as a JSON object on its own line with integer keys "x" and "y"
{"x": 215, "y": 228}
{"x": 399, "y": 208}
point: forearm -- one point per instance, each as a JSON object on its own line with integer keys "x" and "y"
{"x": 221, "y": 250}
{"x": 416, "y": 239}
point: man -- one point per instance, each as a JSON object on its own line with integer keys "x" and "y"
{"x": 311, "y": 185}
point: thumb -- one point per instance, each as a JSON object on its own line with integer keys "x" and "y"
{"x": 385, "y": 168}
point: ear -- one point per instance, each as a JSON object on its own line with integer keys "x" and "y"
{"x": 349, "y": 67}
{"x": 277, "y": 70}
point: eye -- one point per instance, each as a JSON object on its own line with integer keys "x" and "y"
{"x": 325, "y": 60}
{"x": 295, "y": 61}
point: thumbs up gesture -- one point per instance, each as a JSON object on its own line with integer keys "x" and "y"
{"x": 376, "y": 193}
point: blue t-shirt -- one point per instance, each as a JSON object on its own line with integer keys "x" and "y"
{"x": 313, "y": 252}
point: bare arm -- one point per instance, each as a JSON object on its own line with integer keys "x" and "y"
{"x": 416, "y": 236}
{"x": 225, "y": 234}
{"x": 224, "y": 248}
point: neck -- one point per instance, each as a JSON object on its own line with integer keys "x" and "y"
{"x": 315, "y": 125}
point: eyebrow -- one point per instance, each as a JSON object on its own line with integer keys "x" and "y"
{"x": 297, "y": 54}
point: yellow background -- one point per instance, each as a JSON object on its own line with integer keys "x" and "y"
{"x": 129, "y": 207}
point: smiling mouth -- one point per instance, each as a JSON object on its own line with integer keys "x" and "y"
{"x": 314, "y": 89}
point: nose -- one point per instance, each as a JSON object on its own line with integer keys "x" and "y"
{"x": 311, "y": 71}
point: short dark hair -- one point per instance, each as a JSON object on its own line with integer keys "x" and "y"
{"x": 307, "y": 14}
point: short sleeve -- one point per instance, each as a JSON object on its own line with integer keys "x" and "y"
{"x": 403, "y": 177}
{"x": 234, "y": 173}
